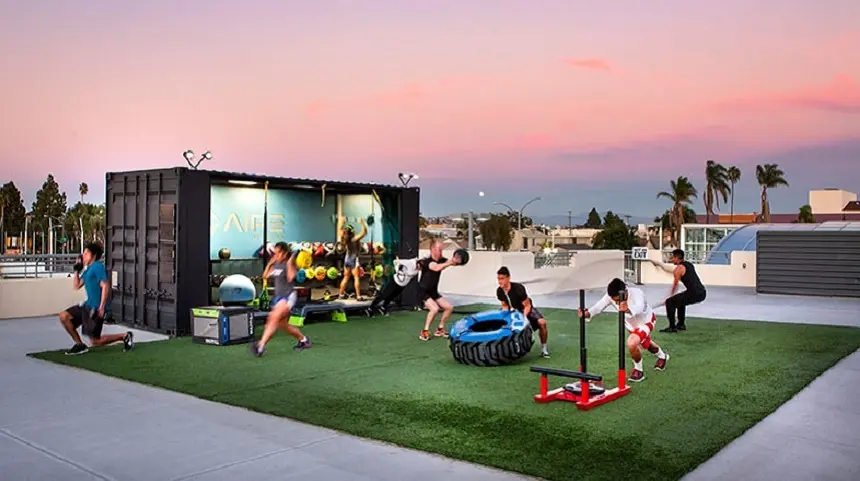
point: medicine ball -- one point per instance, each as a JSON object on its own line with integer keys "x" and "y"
{"x": 320, "y": 273}
{"x": 236, "y": 290}
{"x": 319, "y": 249}
{"x": 365, "y": 247}
{"x": 378, "y": 271}
{"x": 332, "y": 273}
{"x": 340, "y": 248}
{"x": 304, "y": 259}
{"x": 309, "y": 273}
{"x": 224, "y": 254}
{"x": 329, "y": 248}
{"x": 301, "y": 276}
{"x": 379, "y": 248}
{"x": 361, "y": 271}
{"x": 463, "y": 254}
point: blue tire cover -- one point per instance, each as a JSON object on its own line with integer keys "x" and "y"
{"x": 510, "y": 339}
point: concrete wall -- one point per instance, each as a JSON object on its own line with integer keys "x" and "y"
{"x": 37, "y": 297}
{"x": 589, "y": 269}
{"x": 741, "y": 272}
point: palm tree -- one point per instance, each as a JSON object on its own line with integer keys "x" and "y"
{"x": 769, "y": 176}
{"x": 734, "y": 176}
{"x": 804, "y": 216}
{"x": 681, "y": 193}
{"x": 716, "y": 186}
{"x": 84, "y": 189}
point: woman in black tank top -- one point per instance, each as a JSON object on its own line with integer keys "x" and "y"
{"x": 694, "y": 293}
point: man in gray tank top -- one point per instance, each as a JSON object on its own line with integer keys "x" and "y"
{"x": 282, "y": 269}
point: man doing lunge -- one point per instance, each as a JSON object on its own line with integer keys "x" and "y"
{"x": 428, "y": 285}
{"x": 91, "y": 275}
{"x": 513, "y": 295}
{"x": 694, "y": 291}
{"x": 639, "y": 320}
{"x": 282, "y": 268}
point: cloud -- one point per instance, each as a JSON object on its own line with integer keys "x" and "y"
{"x": 841, "y": 94}
{"x": 589, "y": 63}
{"x": 404, "y": 96}
{"x": 315, "y": 108}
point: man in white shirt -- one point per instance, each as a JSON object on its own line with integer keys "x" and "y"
{"x": 404, "y": 271}
{"x": 639, "y": 320}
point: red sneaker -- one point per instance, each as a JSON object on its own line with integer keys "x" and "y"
{"x": 637, "y": 376}
{"x": 661, "y": 363}
{"x": 424, "y": 336}
{"x": 440, "y": 332}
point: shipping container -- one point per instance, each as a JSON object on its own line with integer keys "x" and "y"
{"x": 168, "y": 231}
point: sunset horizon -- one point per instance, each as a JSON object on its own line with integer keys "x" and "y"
{"x": 584, "y": 104}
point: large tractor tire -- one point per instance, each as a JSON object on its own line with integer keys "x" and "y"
{"x": 491, "y": 338}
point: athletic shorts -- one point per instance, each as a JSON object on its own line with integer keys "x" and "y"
{"x": 289, "y": 299}
{"x": 350, "y": 261}
{"x": 88, "y": 320}
{"x": 430, "y": 294}
{"x": 533, "y": 317}
{"x": 645, "y": 331}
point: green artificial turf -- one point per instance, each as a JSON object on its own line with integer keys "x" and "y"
{"x": 374, "y": 378}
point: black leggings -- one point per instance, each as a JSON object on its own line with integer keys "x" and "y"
{"x": 387, "y": 294}
{"x": 678, "y": 303}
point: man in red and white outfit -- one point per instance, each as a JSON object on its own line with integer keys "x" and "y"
{"x": 639, "y": 320}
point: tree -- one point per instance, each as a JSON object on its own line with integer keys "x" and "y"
{"x": 496, "y": 232}
{"x": 769, "y": 176}
{"x": 611, "y": 220}
{"x": 804, "y": 216}
{"x": 514, "y": 219}
{"x": 734, "y": 176}
{"x": 716, "y": 186}
{"x": 681, "y": 193}
{"x": 616, "y": 236}
{"x": 594, "y": 221}
{"x": 665, "y": 220}
{"x": 422, "y": 222}
{"x": 12, "y": 212}
{"x": 84, "y": 189}
{"x": 50, "y": 204}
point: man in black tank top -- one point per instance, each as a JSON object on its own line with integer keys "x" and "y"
{"x": 428, "y": 286}
{"x": 694, "y": 293}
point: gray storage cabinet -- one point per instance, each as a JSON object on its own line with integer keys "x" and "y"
{"x": 808, "y": 263}
{"x": 157, "y": 240}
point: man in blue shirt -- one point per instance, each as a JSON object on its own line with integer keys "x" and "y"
{"x": 90, "y": 273}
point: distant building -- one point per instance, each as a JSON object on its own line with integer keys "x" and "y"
{"x": 827, "y": 205}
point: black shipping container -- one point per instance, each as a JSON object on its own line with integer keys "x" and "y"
{"x": 158, "y": 233}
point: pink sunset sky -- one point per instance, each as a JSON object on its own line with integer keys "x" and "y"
{"x": 585, "y": 103}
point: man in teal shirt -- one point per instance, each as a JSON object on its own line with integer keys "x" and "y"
{"x": 90, "y": 273}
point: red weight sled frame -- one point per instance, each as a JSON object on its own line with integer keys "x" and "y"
{"x": 583, "y": 396}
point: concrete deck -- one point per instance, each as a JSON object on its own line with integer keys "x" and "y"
{"x": 47, "y": 432}
{"x": 58, "y": 422}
